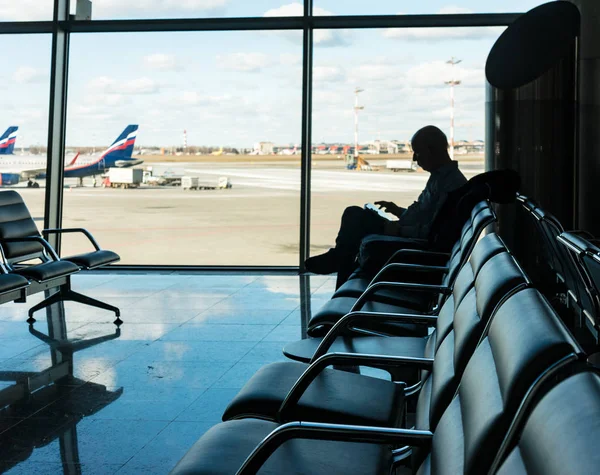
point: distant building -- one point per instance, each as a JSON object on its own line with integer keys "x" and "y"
{"x": 383, "y": 146}
{"x": 264, "y": 148}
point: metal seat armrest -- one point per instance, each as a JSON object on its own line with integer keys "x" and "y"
{"x": 437, "y": 289}
{"x": 354, "y": 319}
{"x": 47, "y": 247}
{"x": 83, "y": 231}
{"x": 334, "y": 432}
{"x": 348, "y": 359}
{"x": 410, "y": 267}
{"x": 417, "y": 252}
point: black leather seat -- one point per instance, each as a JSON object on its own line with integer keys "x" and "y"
{"x": 10, "y": 282}
{"x": 353, "y": 398}
{"x": 334, "y": 396}
{"x": 21, "y": 242}
{"x": 48, "y": 270}
{"x": 561, "y": 433}
{"x": 95, "y": 259}
{"x": 486, "y": 248}
{"x": 223, "y": 449}
{"x": 514, "y": 354}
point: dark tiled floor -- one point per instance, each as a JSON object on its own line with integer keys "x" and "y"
{"x": 136, "y": 402}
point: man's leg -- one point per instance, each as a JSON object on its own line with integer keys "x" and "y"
{"x": 356, "y": 223}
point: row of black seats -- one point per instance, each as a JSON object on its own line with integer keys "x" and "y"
{"x": 21, "y": 243}
{"x": 572, "y": 262}
{"x": 497, "y": 366}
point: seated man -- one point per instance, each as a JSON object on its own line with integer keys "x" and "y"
{"x": 430, "y": 147}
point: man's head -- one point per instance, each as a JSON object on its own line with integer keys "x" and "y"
{"x": 430, "y": 147}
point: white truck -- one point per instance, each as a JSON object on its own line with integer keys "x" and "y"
{"x": 406, "y": 164}
{"x": 194, "y": 183}
{"x": 124, "y": 177}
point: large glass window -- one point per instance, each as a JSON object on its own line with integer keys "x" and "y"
{"x": 25, "y": 77}
{"x": 213, "y": 110}
{"x": 400, "y": 80}
{"x": 130, "y": 9}
{"x": 391, "y": 7}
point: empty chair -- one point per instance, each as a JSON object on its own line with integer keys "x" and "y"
{"x": 525, "y": 342}
{"x": 21, "y": 242}
{"x": 560, "y": 434}
{"x": 12, "y": 287}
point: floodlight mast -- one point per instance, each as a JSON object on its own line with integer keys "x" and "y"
{"x": 357, "y": 108}
{"x": 453, "y": 82}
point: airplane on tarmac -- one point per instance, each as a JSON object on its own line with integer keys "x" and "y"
{"x": 21, "y": 168}
{"x": 289, "y": 151}
{"x": 7, "y": 140}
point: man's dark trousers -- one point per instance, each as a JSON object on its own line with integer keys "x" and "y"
{"x": 356, "y": 224}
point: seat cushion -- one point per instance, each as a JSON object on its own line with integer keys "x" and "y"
{"x": 355, "y": 287}
{"x": 223, "y": 449}
{"x": 334, "y": 396}
{"x": 48, "y": 270}
{"x": 335, "y": 309}
{"x": 91, "y": 260}
{"x": 303, "y": 350}
{"x": 10, "y": 282}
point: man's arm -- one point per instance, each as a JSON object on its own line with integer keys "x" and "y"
{"x": 391, "y": 208}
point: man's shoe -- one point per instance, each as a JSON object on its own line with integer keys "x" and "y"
{"x": 326, "y": 263}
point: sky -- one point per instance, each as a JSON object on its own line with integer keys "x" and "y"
{"x": 239, "y": 88}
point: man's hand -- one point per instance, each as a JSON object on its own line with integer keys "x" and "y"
{"x": 390, "y": 207}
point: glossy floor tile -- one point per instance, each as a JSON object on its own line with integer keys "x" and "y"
{"x": 79, "y": 395}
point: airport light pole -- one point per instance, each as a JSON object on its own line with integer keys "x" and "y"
{"x": 357, "y": 108}
{"x": 453, "y": 82}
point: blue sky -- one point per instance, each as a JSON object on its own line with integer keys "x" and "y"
{"x": 238, "y": 88}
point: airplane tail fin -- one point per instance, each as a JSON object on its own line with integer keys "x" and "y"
{"x": 8, "y": 140}
{"x": 72, "y": 162}
{"x": 122, "y": 148}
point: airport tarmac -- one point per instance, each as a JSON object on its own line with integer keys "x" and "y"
{"x": 256, "y": 222}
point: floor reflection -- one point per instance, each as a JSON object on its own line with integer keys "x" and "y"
{"x": 79, "y": 395}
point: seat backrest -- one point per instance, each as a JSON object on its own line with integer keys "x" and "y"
{"x": 524, "y": 341}
{"x": 481, "y": 217}
{"x": 485, "y": 249}
{"x": 16, "y": 222}
{"x": 561, "y": 433}
{"x": 586, "y": 257}
{"x": 573, "y": 279}
{"x": 498, "y": 279}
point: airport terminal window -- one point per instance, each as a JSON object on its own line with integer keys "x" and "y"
{"x": 427, "y": 7}
{"x": 401, "y": 77}
{"x": 25, "y": 77}
{"x": 134, "y": 9}
{"x": 214, "y": 109}
{"x": 26, "y": 10}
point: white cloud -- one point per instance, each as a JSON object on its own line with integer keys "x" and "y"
{"x": 435, "y": 73}
{"x": 107, "y": 85}
{"x": 108, "y": 8}
{"x": 245, "y": 62}
{"x": 325, "y": 38}
{"x": 193, "y": 98}
{"x": 27, "y": 74}
{"x": 26, "y": 10}
{"x": 328, "y": 74}
{"x": 162, "y": 62}
{"x": 443, "y": 34}
{"x": 290, "y": 59}
{"x": 453, "y": 9}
